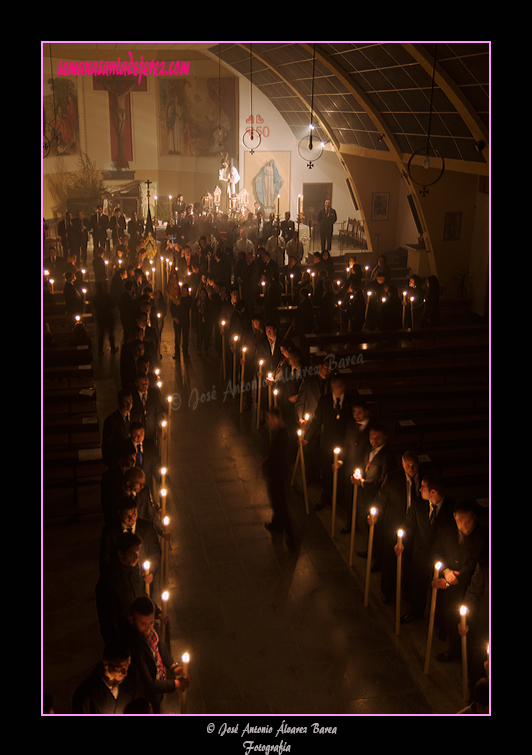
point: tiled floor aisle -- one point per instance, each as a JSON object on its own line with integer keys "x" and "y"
{"x": 268, "y": 631}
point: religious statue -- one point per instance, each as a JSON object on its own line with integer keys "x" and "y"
{"x": 267, "y": 184}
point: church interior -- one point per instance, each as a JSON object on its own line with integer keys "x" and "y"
{"x": 394, "y": 137}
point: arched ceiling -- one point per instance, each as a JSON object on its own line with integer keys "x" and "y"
{"x": 374, "y": 98}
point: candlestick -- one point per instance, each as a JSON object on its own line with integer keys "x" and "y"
{"x": 244, "y": 349}
{"x": 162, "y": 499}
{"x": 166, "y": 522}
{"x": 400, "y": 535}
{"x": 463, "y": 613}
{"x": 235, "y": 339}
{"x": 357, "y": 474}
{"x": 301, "y": 458}
{"x": 185, "y": 660}
{"x": 437, "y": 568}
{"x": 336, "y": 453}
{"x": 162, "y": 439}
{"x": 223, "y": 349}
{"x": 259, "y": 388}
{"x": 169, "y": 400}
{"x": 367, "y": 308}
{"x": 164, "y": 600}
{"x": 373, "y": 512}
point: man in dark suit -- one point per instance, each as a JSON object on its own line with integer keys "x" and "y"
{"x": 112, "y": 685}
{"x": 118, "y": 586}
{"x": 287, "y": 227}
{"x": 118, "y": 226}
{"x": 275, "y": 472}
{"x": 269, "y": 349}
{"x": 459, "y": 546}
{"x": 112, "y": 484}
{"x": 115, "y": 428}
{"x": 331, "y": 419}
{"x": 129, "y": 521}
{"x": 54, "y": 264}
{"x": 376, "y": 464}
{"x": 429, "y": 512}
{"x": 394, "y": 499}
{"x": 146, "y": 454}
{"x": 150, "y": 654}
{"x": 66, "y": 234}
{"x": 99, "y": 225}
{"x": 135, "y": 487}
{"x": 80, "y": 238}
{"x": 326, "y": 219}
{"x": 148, "y": 408}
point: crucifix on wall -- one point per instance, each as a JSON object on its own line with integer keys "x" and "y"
{"x": 119, "y": 89}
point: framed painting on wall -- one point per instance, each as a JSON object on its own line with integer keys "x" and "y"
{"x": 267, "y": 181}
{"x": 189, "y": 112}
{"x": 380, "y": 202}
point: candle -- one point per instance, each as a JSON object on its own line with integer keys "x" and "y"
{"x": 400, "y": 535}
{"x": 185, "y": 660}
{"x": 336, "y": 453}
{"x": 223, "y": 349}
{"x": 269, "y": 380}
{"x": 292, "y": 283}
{"x": 275, "y": 394}
{"x": 412, "y": 311}
{"x": 463, "y": 613}
{"x": 261, "y": 362}
{"x": 244, "y": 349}
{"x": 146, "y": 567}
{"x": 373, "y": 513}
{"x": 437, "y": 568}
{"x": 357, "y": 474}
{"x": 404, "y": 307}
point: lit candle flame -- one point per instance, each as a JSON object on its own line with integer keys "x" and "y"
{"x": 165, "y": 595}
{"x": 146, "y": 566}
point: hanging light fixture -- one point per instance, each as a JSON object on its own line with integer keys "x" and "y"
{"x": 426, "y": 162}
{"x": 219, "y": 134}
{"x": 251, "y": 138}
{"x": 311, "y": 148}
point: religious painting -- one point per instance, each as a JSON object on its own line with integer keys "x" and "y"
{"x": 452, "y": 224}
{"x": 190, "y": 110}
{"x": 119, "y": 89}
{"x": 380, "y": 206}
{"x": 60, "y": 115}
{"x": 267, "y": 181}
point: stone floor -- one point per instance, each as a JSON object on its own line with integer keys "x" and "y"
{"x": 269, "y": 631}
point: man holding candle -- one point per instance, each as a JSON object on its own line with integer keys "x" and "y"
{"x": 150, "y": 654}
{"x": 428, "y": 513}
{"x": 331, "y": 419}
{"x": 460, "y": 545}
{"x": 397, "y": 493}
{"x": 376, "y": 464}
